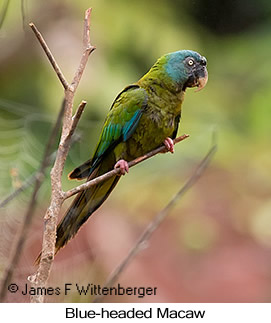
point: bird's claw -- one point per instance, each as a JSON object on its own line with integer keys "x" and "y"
{"x": 123, "y": 166}
{"x": 169, "y": 143}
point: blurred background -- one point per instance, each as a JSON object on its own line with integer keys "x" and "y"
{"x": 216, "y": 244}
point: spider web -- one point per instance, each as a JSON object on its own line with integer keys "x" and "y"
{"x": 23, "y": 136}
{"x": 20, "y": 154}
{"x": 20, "y": 147}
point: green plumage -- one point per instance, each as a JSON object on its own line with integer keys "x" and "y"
{"x": 142, "y": 116}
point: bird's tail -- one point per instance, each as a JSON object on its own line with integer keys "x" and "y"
{"x": 84, "y": 204}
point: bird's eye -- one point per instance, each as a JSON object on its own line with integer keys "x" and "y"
{"x": 190, "y": 62}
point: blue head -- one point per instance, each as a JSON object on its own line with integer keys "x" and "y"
{"x": 187, "y": 68}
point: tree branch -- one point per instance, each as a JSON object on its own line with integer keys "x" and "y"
{"x": 155, "y": 223}
{"x": 69, "y": 124}
{"x": 50, "y": 56}
{"x": 113, "y": 172}
{"x": 77, "y": 116}
{"x": 88, "y": 49}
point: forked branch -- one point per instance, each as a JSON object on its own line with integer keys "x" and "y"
{"x": 68, "y": 127}
{"x": 50, "y": 56}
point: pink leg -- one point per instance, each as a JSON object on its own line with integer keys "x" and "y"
{"x": 168, "y": 142}
{"x": 123, "y": 165}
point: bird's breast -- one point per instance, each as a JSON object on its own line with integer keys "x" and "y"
{"x": 156, "y": 123}
{"x": 153, "y": 128}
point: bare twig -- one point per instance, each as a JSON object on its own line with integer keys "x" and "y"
{"x": 113, "y": 172}
{"x": 88, "y": 49}
{"x": 31, "y": 206}
{"x": 77, "y": 116}
{"x": 158, "y": 219}
{"x": 69, "y": 124}
{"x": 50, "y": 56}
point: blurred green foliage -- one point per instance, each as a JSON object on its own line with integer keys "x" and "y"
{"x": 129, "y": 39}
{"x": 130, "y": 36}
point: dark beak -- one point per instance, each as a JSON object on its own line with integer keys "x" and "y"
{"x": 199, "y": 76}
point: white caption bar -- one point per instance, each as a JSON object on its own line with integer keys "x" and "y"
{"x": 126, "y": 312}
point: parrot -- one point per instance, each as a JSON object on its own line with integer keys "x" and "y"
{"x": 143, "y": 116}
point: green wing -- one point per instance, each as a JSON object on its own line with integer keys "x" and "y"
{"x": 119, "y": 125}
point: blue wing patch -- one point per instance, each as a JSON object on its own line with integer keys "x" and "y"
{"x": 131, "y": 125}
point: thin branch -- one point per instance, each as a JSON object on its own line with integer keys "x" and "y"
{"x": 113, "y": 172}
{"x": 69, "y": 124}
{"x": 88, "y": 49}
{"x": 158, "y": 219}
{"x": 86, "y": 33}
{"x": 50, "y": 56}
{"x": 17, "y": 251}
{"x": 77, "y": 116}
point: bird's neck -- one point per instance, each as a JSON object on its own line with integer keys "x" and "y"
{"x": 158, "y": 77}
{"x": 161, "y": 86}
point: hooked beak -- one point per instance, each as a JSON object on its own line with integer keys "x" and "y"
{"x": 202, "y": 80}
{"x": 199, "y": 76}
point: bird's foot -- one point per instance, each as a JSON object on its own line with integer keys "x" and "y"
{"x": 169, "y": 143}
{"x": 123, "y": 165}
